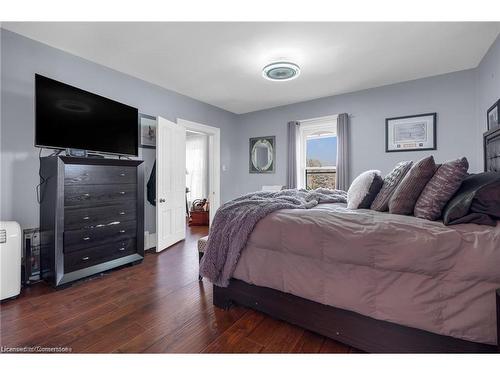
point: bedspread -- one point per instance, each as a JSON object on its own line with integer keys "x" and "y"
{"x": 401, "y": 269}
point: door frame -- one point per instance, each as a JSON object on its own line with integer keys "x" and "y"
{"x": 213, "y": 134}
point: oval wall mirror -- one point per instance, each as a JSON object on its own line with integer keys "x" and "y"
{"x": 262, "y": 155}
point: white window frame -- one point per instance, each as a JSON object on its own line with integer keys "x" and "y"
{"x": 306, "y": 128}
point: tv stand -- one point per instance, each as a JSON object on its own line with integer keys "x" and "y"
{"x": 91, "y": 216}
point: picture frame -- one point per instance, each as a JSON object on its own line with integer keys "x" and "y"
{"x": 147, "y": 131}
{"x": 411, "y": 133}
{"x": 262, "y": 154}
{"x": 492, "y": 116}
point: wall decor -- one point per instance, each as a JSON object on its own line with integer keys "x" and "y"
{"x": 411, "y": 133}
{"x": 492, "y": 116}
{"x": 147, "y": 131}
{"x": 262, "y": 154}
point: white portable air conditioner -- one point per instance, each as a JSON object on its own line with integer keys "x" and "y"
{"x": 10, "y": 259}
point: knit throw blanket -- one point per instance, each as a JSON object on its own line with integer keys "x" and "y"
{"x": 235, "y": 220}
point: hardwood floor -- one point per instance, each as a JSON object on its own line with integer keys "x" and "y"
{"x": 156, "y": 307}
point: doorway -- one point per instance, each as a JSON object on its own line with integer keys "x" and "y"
{"x": 171, "y": 178}
{"x": 197, "y": 179}
{"x": 203, "y": 164}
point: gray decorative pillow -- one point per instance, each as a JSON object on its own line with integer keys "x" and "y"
{"x": 441, "y": 187}
{"x": 406, "y": 194}
{"x": 391, "y": 182}
{"x": 364, "y": 189}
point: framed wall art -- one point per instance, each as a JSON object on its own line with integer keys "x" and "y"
{"x": 147, "y": 131}
{"x": 492, "y": 116}
{"x": 411, "y": 133}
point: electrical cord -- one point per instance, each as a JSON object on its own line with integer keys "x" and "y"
{"x": 42, "y": 179}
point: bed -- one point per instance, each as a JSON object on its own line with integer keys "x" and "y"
{"x": 394, "y": 271}
{"x": 375, "y": 281}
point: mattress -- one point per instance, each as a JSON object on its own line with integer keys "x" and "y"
{"x": 396, "y": 268}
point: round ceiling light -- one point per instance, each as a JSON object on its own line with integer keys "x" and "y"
{"x": 281, "y": 71}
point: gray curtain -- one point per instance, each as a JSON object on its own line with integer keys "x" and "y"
{"x": 342, "y": 179}
{"x": 293, "y": 134}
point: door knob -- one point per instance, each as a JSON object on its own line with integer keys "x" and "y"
{"x": 162, "y": 200}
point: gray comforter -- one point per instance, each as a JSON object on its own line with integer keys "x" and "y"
{"x": 401, "y": 269}
{"x": 235, "y": 220}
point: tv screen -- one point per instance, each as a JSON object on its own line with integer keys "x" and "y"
{"x": 68, "y": 117}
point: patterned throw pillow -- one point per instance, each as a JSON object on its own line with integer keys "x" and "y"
{"x": 441, "y": 187}
{"x": 406, "y": 194}
{"x": 391, "y": 182}
{"x": 364, "y": 189}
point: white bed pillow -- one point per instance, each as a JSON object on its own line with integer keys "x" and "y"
{"x": 364, "y": 189}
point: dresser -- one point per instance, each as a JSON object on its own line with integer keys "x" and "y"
{"x": 492, "y": 150}
{"x": 91, "y": 216}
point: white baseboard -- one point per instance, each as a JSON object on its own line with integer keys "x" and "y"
{"x": 149, "y": 240}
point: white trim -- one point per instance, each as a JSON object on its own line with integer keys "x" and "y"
{"x": 213, "y": 162}
{"x": 323, "y": 119}
{"x": 334, "y": 167}
{"x": 320, "y": 136}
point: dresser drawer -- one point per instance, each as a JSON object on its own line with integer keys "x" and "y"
{"x": 92, "y": 195}
{"x": 75, "y": 240}
{"x": 90, "y": 217}
{"x": 77, "y": 174}
{"x": 99, "y": 254}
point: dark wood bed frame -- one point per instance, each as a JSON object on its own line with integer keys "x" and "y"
{"x": 359, "y": 331}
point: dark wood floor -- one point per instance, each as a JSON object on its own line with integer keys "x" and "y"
{"x": 158, "y": 307}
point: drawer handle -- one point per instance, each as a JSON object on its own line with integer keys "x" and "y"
{"x": 122, "y": 213}
{"x": 86, "y": 218}
{"x": 122, "y": 231}
{"x": 86, "y": 238}
{"x": 122, "y": 174}
{"x": 121, "y": 249}
{"x": 86, "y": 195}
{"x": 122, "y": 192}
{"x": 85, "y": 258}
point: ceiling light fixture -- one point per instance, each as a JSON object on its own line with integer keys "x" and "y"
{"x": 281, "y": 71}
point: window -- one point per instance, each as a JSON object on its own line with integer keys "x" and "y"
{"x": 318, "y": 153}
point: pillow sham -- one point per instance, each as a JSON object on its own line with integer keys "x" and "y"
{"x": 487, "y": 201}
{"x": 441, "y": 187}
{"x": 364, "y": 189}
{"x": 391, "y": 182}
{"x": 405, "y": 196}
{"x": 477, "y": 201}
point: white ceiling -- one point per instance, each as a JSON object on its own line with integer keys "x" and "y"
{"x": 221, "y": 63}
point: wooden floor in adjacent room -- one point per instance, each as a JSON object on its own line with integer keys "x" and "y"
{"x": 157, "y": 307}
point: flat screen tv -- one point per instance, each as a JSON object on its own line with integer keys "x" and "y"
{"x": 68, "y": 117}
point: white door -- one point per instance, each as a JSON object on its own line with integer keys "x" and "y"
{"x": 170, "y": 183}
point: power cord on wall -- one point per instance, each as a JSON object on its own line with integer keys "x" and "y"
{"x": 42, "y": 179}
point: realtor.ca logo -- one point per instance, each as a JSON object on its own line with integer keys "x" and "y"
{"x": 35, "y": 349}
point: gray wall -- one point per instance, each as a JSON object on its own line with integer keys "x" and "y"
{"x": 460, "y": 99}
{"x": 452, "y": 96}
{"x": 488, "y": 89}
{"x": 21, "y": 58}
